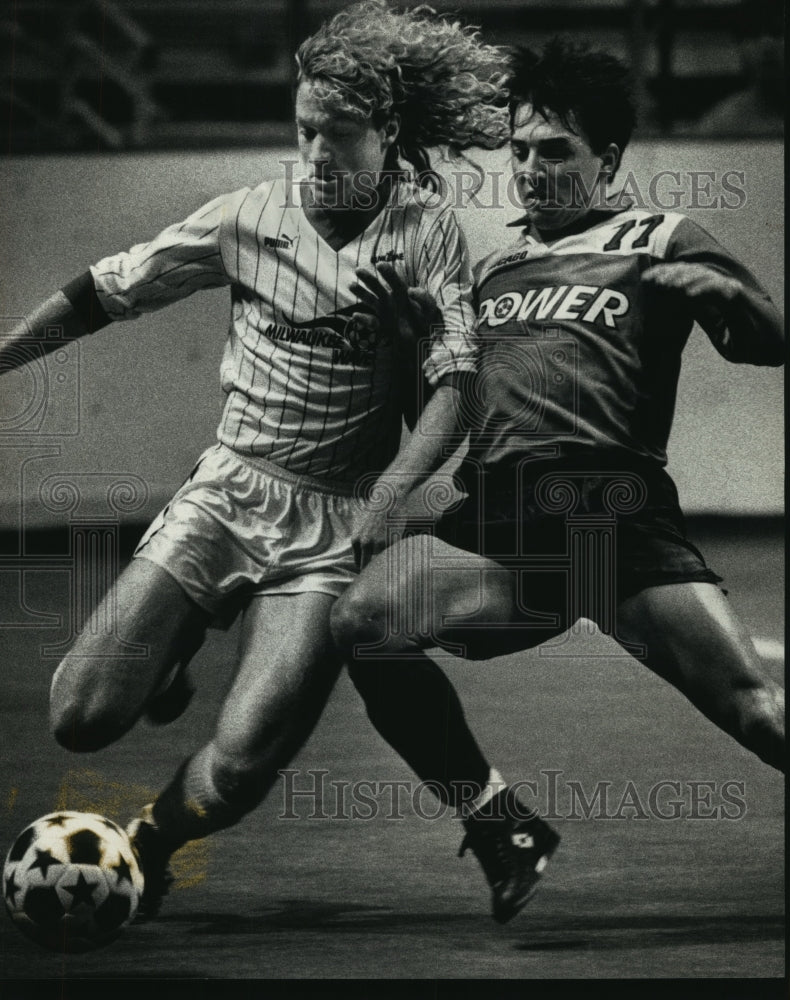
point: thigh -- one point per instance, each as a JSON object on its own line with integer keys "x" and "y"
{"x": 288, "y": 666}
{"x": 690, "y": 636}
{"x": 131, "y": 639}
{"x": 424, "y": 592}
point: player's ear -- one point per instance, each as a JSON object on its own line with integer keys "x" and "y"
{"x": 390, "y": 131}
{"x": 610, "y": 161}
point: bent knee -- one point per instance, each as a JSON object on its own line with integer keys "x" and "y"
{"x": 762, "y": 726}
{"x": 760, "y": 709}
{"x": 82, "y": 719}
{"x": 357, "y": 617}
{"x": 81, "y": 731}
{"x": 240, "y": 784}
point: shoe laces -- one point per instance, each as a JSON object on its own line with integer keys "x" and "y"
{"x": 490, "y": 842}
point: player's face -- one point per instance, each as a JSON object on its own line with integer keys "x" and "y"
{"x": 342, "y": 156}
{"x": 558, "y": 177}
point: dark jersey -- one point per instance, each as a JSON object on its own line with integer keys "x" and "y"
{"x": 577, "y": 353}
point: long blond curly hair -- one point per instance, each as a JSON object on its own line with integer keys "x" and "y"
{"x": 370, "y": 61}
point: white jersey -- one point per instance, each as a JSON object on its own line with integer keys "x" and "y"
{"x": 307, "y": 389}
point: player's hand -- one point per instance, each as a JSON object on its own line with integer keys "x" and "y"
{"x": 695, "y": 282}
{"x": 407, "y": 315}
{"x": 370, "y": 537}
{"x": 704, "y": 292}
{"x": 406, "y": 312}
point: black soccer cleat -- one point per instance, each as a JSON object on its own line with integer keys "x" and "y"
{"x": 153, "y": 859}
{"x": 513, "y": 846}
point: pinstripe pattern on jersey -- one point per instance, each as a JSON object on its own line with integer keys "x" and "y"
{"x": 302, "y": 390}
{"x": 181, "y": 260}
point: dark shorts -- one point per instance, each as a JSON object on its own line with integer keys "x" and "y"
{"x": 583, "y": 535}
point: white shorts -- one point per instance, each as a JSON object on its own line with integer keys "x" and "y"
{"x": 241, "y": 526}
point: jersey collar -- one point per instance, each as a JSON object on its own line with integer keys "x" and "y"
{"x": 592, "y": 218}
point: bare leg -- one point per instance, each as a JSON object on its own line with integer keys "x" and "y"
{"x": 101, "y": 688}
{"x": 288, "y": 667}
{"x": 419, "y": 594}
{"x": 694, "y": 641}
{"x": 416, "y": 709}
{"x": 287, "y": 671}
{"x": 423, "y": 593}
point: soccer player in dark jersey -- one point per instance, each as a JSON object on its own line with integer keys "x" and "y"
{"x": 268, "y": 523}
{"x": 569, "y": 511}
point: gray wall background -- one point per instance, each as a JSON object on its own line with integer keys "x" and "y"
{"x": 142, "y": 399}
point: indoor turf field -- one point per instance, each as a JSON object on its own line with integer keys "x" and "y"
{"x": 385, "y": 897}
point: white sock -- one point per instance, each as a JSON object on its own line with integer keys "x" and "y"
{"x": 494, "y": 785}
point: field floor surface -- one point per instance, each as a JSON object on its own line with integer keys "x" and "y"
{"x": 335, "y": 897}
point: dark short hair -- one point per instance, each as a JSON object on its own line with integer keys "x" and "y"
{"x": 586, "y": 89}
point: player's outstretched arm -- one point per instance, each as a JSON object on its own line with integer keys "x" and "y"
{"x": 181, "y": 260}
{"x": 418, "y": 459}
{"x": 411, "y": 315}
{"x": 741, "y": 321}
{"x": 721, "y": 294}
{"x": 749, "y": 328}
{"x": 69, "y": 314}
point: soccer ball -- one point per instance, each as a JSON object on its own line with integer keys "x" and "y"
{"x": 71, "y": 881}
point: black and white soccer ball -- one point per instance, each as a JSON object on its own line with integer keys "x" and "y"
{"x": 71, "y": 881}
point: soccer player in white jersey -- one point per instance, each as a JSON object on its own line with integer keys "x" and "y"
{"x": 267, "y": 522}
{"x": 582, "y": 323}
